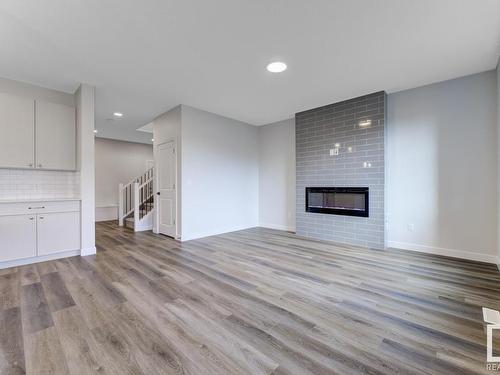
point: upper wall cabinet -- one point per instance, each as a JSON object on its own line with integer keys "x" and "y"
{"x": 55, "y": 136}
{"x": 36, "y": 134}
{"x": 17, "y": 131}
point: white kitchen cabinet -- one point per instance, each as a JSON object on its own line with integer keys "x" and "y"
{"x": 36, "y": 230}
{"x": 55, "y": 136}
{"x": 17, "y": 131}
{"x": 58, "y": 232}
{"x": 17, "y": 237}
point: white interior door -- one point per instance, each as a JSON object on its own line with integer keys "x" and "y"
{"x": 166, "y": 199}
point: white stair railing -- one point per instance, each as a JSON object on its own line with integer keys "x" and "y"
{"x": 136, "y": 197}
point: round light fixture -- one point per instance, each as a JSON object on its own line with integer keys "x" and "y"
{"x": 276, "y": 67}
{"x": 118, "y": 114}
{"x": 95, "y": 131}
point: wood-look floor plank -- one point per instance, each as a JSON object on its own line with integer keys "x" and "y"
{"x": 45, "y": 267}
{"x": 257, "y": 301}
{"x": 11, "y": 342}
{"x": 29, "y": 274}
{"x": 56, "y": 293}
{"x": 80, "y": 349}
{"x": 9, "y": 290}
{"x": 35, "y": 311}
{"x": 44, "y": 353}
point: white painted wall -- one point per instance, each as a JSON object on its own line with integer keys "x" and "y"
{"x": 442, "y": 168}
{"x": 116, "y": 162}
{"x": 35, "y": 92}
{"x": 220, "y": 174}
{"x": 167, "y": 127}
{"x": 277, "y": 175}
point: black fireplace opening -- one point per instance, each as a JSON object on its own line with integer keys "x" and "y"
{"x": 350, "y": 201}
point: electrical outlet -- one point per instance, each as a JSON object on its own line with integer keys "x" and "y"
{"x": 411, "y": 227}
{"x": 334, "y": 151}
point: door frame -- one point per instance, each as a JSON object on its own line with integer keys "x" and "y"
{"x": 156, "y": 226}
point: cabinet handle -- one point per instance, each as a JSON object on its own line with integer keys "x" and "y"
{"x": 31, "y": 218}
{"x": 30, "y": 165}
{"x": 39, "y": 165}
{"x": 41, "y": 217}
{"x": 36, "y": 208}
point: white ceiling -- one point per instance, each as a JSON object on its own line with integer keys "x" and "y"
{"x": 145, "y": 57}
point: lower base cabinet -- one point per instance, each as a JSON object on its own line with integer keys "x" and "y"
{"x": 58, "y": 232}
{"x": 17, "y": 237}
{"x": 34, "y": 231}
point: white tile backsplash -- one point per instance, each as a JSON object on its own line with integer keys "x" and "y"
{"x": 34, "y": 184}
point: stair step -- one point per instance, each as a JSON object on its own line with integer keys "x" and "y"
{"x": 129, "y": 222}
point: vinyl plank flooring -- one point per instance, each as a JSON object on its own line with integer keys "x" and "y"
{"x": 45, "y": 267}
{"x": 79, "y": 347}
{"x": 29, "y": 274}
{"x": 11, "y": 342}
{"x": 35, "y": 310}
{"x": 9, "y": 290}
{"x": 256, "y": 301}
{"x": 56, "y": 293}
{"x": 44, "y": 353}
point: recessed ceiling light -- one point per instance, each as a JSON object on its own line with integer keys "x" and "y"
{"x": 95, "y": 131}
{"x": 276, "y": 67}
{"x": 365, "y": 123}
{"x": 118, "y": 114}
{"x": 152, "y": 139}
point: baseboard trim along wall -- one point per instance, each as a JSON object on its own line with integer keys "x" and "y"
{"x": 277, "y": 227}
{"x": 88, "y": 251}
{"x": 480, "y": 257}
{"x": 38, "y": 259}
{"x": 106, "y": 213}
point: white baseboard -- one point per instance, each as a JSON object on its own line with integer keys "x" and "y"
{"x": 277, "y": 227}
{"x": 38, "y": 259}
{"x": 88, "y": 251}
{"x": 106, "y": 213}
{"x": 480, "y": 257}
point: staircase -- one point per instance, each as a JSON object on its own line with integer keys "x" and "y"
{"x": 136, "y": 202}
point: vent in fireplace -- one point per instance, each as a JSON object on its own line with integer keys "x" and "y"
{"x": 350, "y": 201}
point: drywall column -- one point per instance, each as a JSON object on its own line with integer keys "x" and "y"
{"x": 84, "y": 100}
{"x": 498, "y": 164}
{"x": 277, "y": 175}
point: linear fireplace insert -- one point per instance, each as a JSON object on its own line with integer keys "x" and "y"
{"x": 350, "y": 201}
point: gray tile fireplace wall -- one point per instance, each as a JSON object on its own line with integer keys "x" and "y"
{"x": 355, "y": 130}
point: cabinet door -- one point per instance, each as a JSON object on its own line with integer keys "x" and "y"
{"x": 55, "y": 136}
{"x": 58, "y": 232}
{"x": 17, "y": 131}
{"x": 17, "y": 237}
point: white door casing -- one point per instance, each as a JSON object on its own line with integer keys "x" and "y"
{"x": 166, "y": 199}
